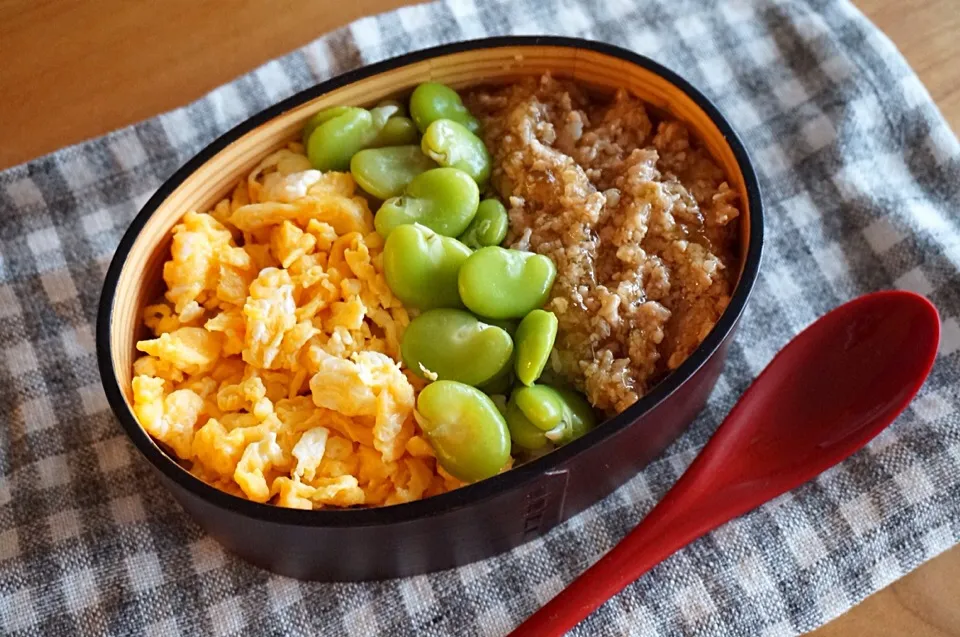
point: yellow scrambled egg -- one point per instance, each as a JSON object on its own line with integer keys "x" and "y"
{"x": 274, "y": 372}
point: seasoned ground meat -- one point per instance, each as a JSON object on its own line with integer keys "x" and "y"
{"x": 637, "y": 216}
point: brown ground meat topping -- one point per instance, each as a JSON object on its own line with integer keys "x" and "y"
{"x": 637, "y": 217}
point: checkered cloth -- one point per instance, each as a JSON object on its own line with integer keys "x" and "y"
{"x": 861, "y": 178}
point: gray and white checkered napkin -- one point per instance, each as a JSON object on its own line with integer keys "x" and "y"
{"x": 862, "y": 183}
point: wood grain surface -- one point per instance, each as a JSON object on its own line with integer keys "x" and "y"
{"x": 71, "y": 70}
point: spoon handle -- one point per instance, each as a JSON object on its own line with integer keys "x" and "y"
{"x": 656, "y": 538}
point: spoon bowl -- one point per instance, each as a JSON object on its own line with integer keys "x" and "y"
{"x": 832, "y": 389}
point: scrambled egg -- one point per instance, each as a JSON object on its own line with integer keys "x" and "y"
{"x": 274, "y": 372}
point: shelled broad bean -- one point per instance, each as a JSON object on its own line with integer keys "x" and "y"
{"x": 451, "y": 344}
{"x": 540, "y": 416}
{"x": 489, "y": 226}
{"x": 443, "y": 199}
{"x": 482, "y": 331}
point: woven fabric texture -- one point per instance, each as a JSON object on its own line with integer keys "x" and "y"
{"x": 861, "y": 180}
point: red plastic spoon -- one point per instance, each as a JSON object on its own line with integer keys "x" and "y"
{"x": 835, "y": 386}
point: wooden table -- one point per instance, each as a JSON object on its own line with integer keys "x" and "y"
{"x": 73, "y": 70}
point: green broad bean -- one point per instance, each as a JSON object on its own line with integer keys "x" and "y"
{"x": 431, "y": 101}
{"x": 489, "y": 225}
{"x": 398, "y": 131}
{"x": 421, "y": 267}
{"x": 582, "y": 416}
{"x": 499, "y": 283}
{"x": 385, "y": 172}
{"x": 465, "y": 429}
{"x": 382, "y": 113}
{"x": 443, "y": 199}
{"x": 455, "y": 345}
{"x": 542, "y": 405}
{"x": 499, "y": 384}
{"x": 540, "y": 415}
{"x": 534, "y": 340}
{"x": 335, "y": 141}
{"x": 524, "y": 433}
{"x": 505, "y": 324}
{"x": 321, "y": 117}
{"x": 393, "y": 126}
{"x": 451, "y": 144}
{"x": 335, "y": 134}
{"x": 401, "y": 107}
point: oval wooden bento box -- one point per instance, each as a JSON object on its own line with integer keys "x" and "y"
{"x": 482, "y": 519}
